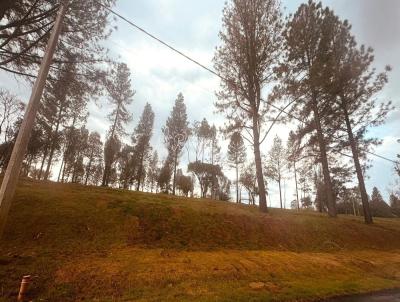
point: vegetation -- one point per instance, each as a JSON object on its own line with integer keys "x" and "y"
{"x": 276, "y": 164}
{"x": 251, "y": 44}
{"x": 176, "y": 133}
{"x": 24, "y": 33}
{"x": 90, "y": 242}
{"x": 121, "y": 95}
{"x": 307, "y": 48}
{"x": 87, "y": 236}
{"x": 378, "y": 206}
{"x": 237, "y": 156}
{"x": 260, "y": 52}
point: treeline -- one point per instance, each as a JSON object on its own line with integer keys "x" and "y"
{"x": 310, "y": 65}
{"x": 60, "y": 136}
{"x": 305, "y": 70}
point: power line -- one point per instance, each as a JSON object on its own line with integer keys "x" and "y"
{"x": 162, "y": 42}
{"x": 216, "y": 74}
{"x": 183, "y": 54}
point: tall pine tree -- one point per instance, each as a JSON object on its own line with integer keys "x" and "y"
{"x": 307, "y": 43}
{"x": 176, "y": 133}
{"x": 120, "y": 96}
{"x": 250, "y": 51}
{"x": 141, "y": 139}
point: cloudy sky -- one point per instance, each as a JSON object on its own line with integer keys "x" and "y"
{"x": 158, "y": 74}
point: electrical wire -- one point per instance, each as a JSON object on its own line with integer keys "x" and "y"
{"x": 216, "y": 74}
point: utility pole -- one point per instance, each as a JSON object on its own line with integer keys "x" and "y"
{"x": 11, "y": 176}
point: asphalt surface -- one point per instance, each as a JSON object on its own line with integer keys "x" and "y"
{"x": 384, "y": 296}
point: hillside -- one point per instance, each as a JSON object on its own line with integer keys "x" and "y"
{"x": 96, "y": 244}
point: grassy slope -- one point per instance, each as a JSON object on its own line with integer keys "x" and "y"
{"x": 102, "y": 244}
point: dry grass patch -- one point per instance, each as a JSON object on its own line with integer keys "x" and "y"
{"x": 228, "y": 275}
{"x": 88, "y": 243}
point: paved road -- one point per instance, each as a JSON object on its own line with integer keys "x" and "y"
{"x": 385, "y": 296}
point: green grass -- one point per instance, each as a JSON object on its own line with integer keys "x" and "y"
{"x": 96, "y": 244}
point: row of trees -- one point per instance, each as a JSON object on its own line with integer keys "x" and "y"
{"x": 326, "y": 84}
{"x": 60, "y": 136}
{"x": 308, "y": 64}
{"x": 134, "y": 166}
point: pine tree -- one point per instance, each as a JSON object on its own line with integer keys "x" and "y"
{"x": 78, "y": 148}
{"x": 215, "y": 150}
{"x": 379, "y": 208}
{"x": 202, "y": 132}
{"x": 250, "y": 51}
{"x": 276, "y": 164}
{"x": 112, "y": 148}
{"x": 354, "y": 84}
{"x": 176, "y": 133}
{"x": 126, "y": 166}
{"x": 395, "y": 204}
{"x": 10, "y": 111}
{"x": 54, "y": 111}
{"x": 306, "y": 179}
{"x": 34, "y": 149}
{"x": 64, "y": 106}
{"x": 121, "y": 95}
{"x": 293, "y": 156}
{"x": 141, "y": 139}
{"x": 307, "y": 43}
{"x": 93, "y": 154}
{"x": 25, "y": 32}
{"x": 236, "y": 156}
{"x": 153, "y": 172}
{"x": 248, "y": 179}
{"x": 77, "y": 115}
{"x": 164, "y": 177}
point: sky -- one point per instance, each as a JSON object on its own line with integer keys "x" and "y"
{"x": 158, "y": 74}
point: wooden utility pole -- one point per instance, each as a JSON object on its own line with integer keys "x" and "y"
{"x": 11, "y": 176}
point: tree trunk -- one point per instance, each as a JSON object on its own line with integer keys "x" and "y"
{"x": 74, "y": 177}
{"x": 174, "y": 180}
{"x": 27, "y": 164}
{"x": 42, "y": 164}
{"x": 61, "y": 169}
{"x": 88, "y": 167}
{"x": 63, "y": 173}
{"x": 360, "y": 176}
{"x": 140, "y": 172}
{"x": 325, "y": 165}
{"x": 203, "y": 188}
{"x": 104, "y": 182}
{"x": 237, "y": 183}
{"x": 53, "y": 144}
{"x": 258, "y": 162}
{"x": 295, "y": 180}
{"x": 280, "y": 192}
{"x": 354, "y": 207}
{"x": 107, "y": 167}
